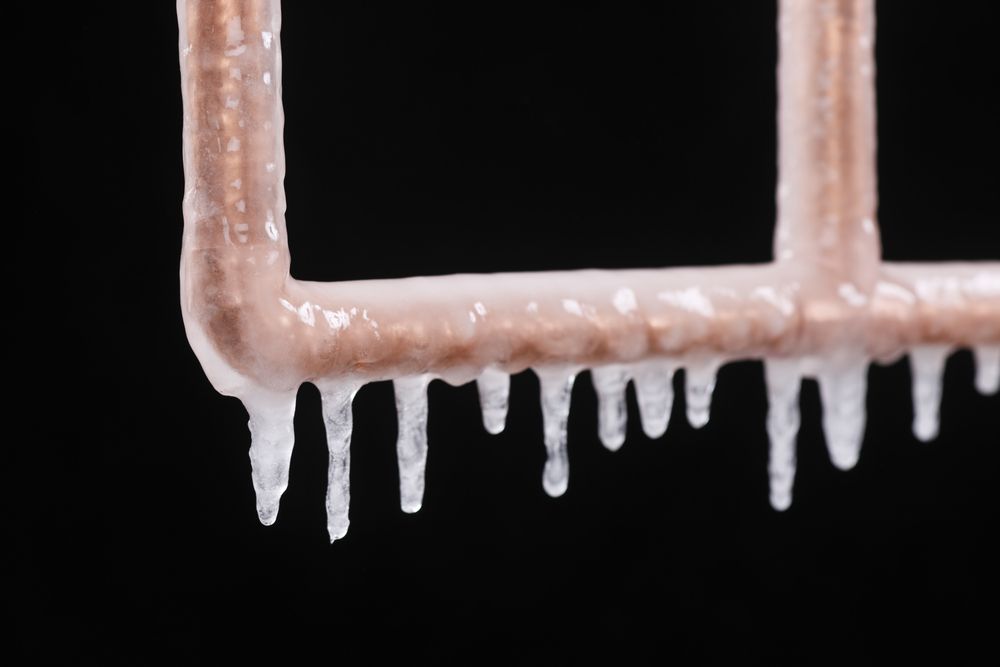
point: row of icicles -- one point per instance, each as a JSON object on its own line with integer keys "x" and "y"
{"x": 842, "y": 384}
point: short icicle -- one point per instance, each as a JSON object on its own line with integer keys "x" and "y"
{"x": 338, "y": 399}
{"x": 654, "y": 392}
{"x": 557, "y": 390}
{"x": 272, "y": 437}
{"x": 494, "y": 395}
{"x": 927, "y": 368}
{"x": 783, "y": 378}
{"x": 987, "y": 369}
{"x": 411, "y": 441}
{"x": 843, "y": 386}
{"x": 612, "y": 413}
{"x": 699, "y": 386}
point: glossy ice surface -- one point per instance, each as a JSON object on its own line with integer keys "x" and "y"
{"x": 825, "y": 308}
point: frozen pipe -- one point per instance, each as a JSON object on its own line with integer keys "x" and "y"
{"x": 823, "y": 309}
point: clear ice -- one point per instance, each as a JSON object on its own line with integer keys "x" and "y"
{"x": 338, "y": 399}
{"x": 842, "y": 384}
{"x": 272, "y": 437}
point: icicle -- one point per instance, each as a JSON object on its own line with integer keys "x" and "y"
{"x": 612, "y": 413}
{"x": 654, "y": 391}
{"x": 556, "y": 389}
{"x": 272, "y": 437}
{"x": 987, "y": 368}
{"x": 494, "y": 393}
{"x": 337, "y": 413}
{"x": 843, "y": 386}
{"x": 700, "y": 383}
{"x": 927, "y": 368}
{"x": 783, "y": 378}
{"x": 411, "y": 441}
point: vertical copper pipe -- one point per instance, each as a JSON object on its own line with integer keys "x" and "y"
{"x": 235, "y": 249}
{"x": 826, "y": 144}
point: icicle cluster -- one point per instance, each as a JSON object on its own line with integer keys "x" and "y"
{"x": 842, "y": 384}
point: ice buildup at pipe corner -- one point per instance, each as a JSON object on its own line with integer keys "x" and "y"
{"x": 823, "y": 310}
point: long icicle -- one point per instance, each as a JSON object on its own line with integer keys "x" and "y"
{"x": 272, "y": 437}
{"x": 338, "y": 399}
{"x": 557, "y": 390}
{"x": 411, "y": 441}
{"x": 784, "y": 379}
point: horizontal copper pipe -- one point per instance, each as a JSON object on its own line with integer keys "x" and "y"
{"x": 824, "y": 308}
{"x": 252, "y": 325}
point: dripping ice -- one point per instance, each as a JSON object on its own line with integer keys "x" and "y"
{"x": 842, "y": 384}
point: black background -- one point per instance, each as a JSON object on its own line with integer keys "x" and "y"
{"x": 432, "y": 140}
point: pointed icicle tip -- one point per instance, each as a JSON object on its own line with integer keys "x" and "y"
{"x": 338, "y": 398}
{"x": 337, "y": 532}
{"x": 780, "y": 501}
{"x": 267, "y": 514}
{"x": 272, "y": 438}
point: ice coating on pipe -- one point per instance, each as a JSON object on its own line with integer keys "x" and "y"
{"x": 824, "y": 308}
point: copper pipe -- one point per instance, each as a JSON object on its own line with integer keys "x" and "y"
{"x": 259, "y": 332}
